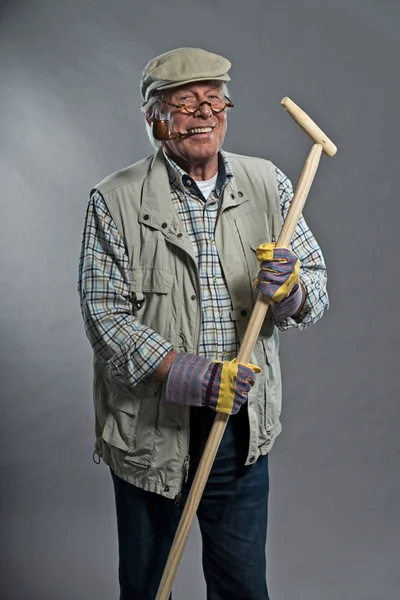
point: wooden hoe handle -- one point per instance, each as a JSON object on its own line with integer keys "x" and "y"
{"x": 252, "y": 331}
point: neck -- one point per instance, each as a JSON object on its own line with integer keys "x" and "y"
{"x": 198, "y": 171}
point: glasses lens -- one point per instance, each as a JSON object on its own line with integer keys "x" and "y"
{"x": 218, "y": 105}
{"x": 191, "y": 105}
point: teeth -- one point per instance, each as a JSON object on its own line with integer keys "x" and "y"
{"x": 200, "y": 130}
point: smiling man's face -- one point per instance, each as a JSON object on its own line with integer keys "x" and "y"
{"x": 203, "y": 147}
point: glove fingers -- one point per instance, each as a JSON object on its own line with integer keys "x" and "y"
{"x": 237, "y": 379}
{"x": 277, "y": 280}
{"x": 268, "y": 252}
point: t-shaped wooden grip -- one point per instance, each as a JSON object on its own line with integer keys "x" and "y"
{"x": 311, "y": 128}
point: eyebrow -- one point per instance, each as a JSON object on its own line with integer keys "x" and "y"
{"x": 211, "y": 89}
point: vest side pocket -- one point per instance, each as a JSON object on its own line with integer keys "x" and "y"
{"x": 130, "y": 425}
{"x": 121, "y": 423}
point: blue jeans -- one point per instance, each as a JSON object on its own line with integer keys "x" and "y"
{"x": 232, "y": 517}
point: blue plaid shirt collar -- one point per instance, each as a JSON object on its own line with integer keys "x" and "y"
{"x": 181, "y": 181}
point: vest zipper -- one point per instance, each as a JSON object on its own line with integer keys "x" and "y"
{"x": 185, "y": 476}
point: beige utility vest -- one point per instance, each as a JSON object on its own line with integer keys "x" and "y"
{"x": 143, "y": 438}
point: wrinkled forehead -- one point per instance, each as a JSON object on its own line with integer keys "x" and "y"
{"x": 196, "y": 88}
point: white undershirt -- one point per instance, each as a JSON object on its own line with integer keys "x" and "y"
{"x": 207, "y": 186}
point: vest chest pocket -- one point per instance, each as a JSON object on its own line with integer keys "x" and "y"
{"x": 253, "y": 230}
{"x": 151, "y": 289}
{"x": 253, "y": 248}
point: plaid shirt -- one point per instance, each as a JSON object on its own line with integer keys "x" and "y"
{"x": 104, "y": 289}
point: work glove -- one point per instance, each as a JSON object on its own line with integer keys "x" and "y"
{"x": 279, "y": 279}
{"x": 197, "y": 381}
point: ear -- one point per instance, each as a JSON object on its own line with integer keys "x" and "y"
{"x": 149, "y": 115}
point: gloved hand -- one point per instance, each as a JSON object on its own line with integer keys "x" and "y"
{"x": 279, "y": 272}
{"x": 279, "y": 279}
{"x": 197, "y": 381}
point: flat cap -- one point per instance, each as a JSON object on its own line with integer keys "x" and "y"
{"x": 181, "y": 66}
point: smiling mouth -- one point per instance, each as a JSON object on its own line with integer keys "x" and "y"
{"x": 195, "y": 130}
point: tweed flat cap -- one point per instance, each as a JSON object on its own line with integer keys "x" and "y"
{"x": 181, "y": 66}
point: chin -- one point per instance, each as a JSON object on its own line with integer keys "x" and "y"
{"x": 206, "y": 151}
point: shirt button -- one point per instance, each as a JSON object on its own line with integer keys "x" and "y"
{"x": 164, "y": 225}
{"x": 166, "y": 488}
{"x": 243, "y": 313}
{"x": 221, "y": 314}
{"x": 252, "y": 459}
{"x": 233, "y": 196}
{"x": 179, "y": 235}
{"x": 240, "y": 194}
{"x": 146, "y": 217}
{"x": 179, "y": 428}
{"x": 193, "y": 297}
{"x": 188, "y": 182}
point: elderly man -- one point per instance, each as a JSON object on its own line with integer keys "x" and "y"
{"x": 170, "y": 268}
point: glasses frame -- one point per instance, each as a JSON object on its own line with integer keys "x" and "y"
{"x": 191, "y": 112}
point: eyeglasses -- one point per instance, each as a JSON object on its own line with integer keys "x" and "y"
{"x": 192, "y": 106}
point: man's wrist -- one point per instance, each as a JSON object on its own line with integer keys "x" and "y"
{"x": 303, "y": 299}
{"x": 162, "y": 371}
{"x": 291, "y": 306}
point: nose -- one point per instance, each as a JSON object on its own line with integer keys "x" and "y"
{"x": 204, "y": 109}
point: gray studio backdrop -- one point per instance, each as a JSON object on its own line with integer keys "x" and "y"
{"x": 70, "y": 114}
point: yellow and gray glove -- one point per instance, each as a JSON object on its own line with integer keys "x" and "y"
{"x": 279, "y": 279}
{"x": 197, "y": 381}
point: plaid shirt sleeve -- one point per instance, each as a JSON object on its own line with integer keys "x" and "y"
{"x": 312, "y": 265}
{"x": 132, "y": 350}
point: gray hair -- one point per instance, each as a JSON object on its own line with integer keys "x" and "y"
{"x": 153, "y": 103}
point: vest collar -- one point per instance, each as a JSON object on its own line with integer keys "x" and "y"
{"x": 179, "y": 179}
